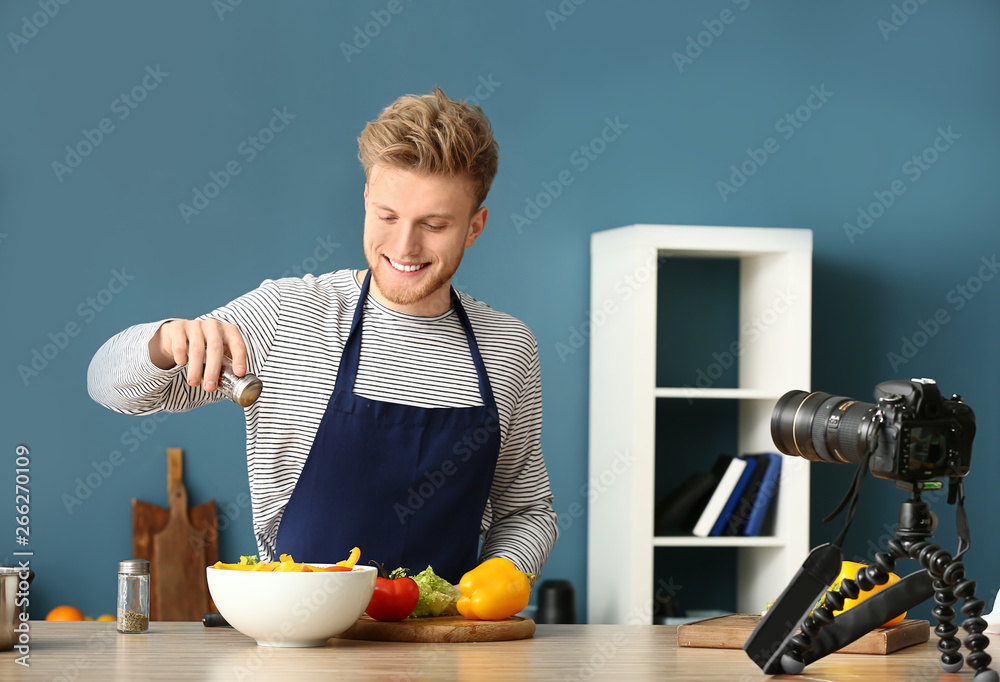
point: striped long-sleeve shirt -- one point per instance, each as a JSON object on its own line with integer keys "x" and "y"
{"x": 295, "y": 330}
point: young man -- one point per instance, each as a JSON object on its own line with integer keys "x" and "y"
{"x": 397, "y": 415}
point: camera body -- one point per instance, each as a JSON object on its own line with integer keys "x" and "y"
{"x": 914, "y": 433}
{"x": 923, "y": 435}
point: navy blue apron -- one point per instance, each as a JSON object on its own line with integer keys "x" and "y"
{"x": 408, "y": 485}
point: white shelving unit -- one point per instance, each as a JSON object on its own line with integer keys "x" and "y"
{"x": 775, "y": 285}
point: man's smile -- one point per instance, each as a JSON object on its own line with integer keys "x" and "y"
{"x": 406, "y": 267}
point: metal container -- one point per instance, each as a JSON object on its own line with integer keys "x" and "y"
{"x": 133, "y": 596}
{"x": 14, "y": 584}
{"x": 242, "y": 390}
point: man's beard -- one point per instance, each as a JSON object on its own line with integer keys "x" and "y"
{"x": 408, "y": 294}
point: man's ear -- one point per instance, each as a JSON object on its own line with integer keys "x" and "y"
{"x": 477, "y": 226}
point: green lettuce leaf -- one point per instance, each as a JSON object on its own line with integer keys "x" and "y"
{"x": 437, "y": 596}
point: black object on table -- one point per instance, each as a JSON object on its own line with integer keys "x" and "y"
{"x": 556, "y": 603}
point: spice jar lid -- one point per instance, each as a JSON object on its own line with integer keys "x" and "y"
{"x": 133, "y": 567}
{"x": 246, "y": 390}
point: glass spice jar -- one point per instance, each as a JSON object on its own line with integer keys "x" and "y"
{"x": 242, "y": 390}
{"x": 133, "y": 596}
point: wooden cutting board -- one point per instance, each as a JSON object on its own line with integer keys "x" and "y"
{"x": 731, "y": 632}
{"x": 178, "y": 543}
{"x": 441, "y": 629}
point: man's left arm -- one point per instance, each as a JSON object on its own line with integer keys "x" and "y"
{"x": 522, "y": 526}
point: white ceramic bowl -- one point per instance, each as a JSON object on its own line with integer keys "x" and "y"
{"x": 292, "y": 609}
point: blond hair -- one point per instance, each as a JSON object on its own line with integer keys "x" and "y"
{"x": 431, "y": 134}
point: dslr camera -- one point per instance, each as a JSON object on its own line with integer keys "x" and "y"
{"x": 913, "y": 433}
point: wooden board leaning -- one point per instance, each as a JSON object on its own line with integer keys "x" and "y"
{"x": 730, "y": 632}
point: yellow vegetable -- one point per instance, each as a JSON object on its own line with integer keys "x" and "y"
{"x": 352, "y": 559}
{"x": 247, "y": 563}
{"x": 849, "y": 569}
{"x": 288, "y": 565}
{"x": 285, "y": 564}
{"x": 494, "y": 590}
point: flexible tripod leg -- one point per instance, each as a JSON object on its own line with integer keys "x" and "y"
{"x": 950, "y": 584}
{"x": 823, "y": 634}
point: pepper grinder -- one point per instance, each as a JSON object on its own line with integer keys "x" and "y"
{"x": 556, "y": 603}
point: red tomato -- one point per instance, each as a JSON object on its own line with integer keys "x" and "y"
{"x": 395, "y": 596}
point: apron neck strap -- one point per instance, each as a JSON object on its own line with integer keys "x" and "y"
{"x": 350, "y": 359}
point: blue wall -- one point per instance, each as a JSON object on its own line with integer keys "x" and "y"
{"x": 550, "y": 82}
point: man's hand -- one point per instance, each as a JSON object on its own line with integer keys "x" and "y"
{"x": 201, "y": 345}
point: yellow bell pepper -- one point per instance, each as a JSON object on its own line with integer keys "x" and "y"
{"x": 494, "y": 590}
{"x": 234, "y": 567}
{"x": 849, "y": 569}
{"x": 247, "y": 563}
{"x": 285, "y": 564}
{"x": 351, "y": 560}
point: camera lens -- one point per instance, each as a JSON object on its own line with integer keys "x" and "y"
{"x": 822, "y": 427}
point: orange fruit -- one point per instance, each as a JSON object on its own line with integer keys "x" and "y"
{"x": 849, "y": 569}
{"x": 65, "y": 613}
{"x": 107, "y": 616}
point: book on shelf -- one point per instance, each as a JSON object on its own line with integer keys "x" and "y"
{"x": 764, "y": 498}
{"x": 737, "y": 520}
{"x": 680, "y": 509}
{"x": 733, "y": 471}
{"x": 734, "y": 496}
{"x": 728, "y": 507}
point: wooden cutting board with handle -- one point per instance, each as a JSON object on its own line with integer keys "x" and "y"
{"x": 178, "y": 543}
{"x": 441, "y": 629}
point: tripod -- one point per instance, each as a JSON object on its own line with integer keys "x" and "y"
{"x": 776, "y": 650}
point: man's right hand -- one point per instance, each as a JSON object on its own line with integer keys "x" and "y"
{"x": 201, "y": 345}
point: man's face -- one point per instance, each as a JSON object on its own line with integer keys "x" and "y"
{"x": 417, "y": 228}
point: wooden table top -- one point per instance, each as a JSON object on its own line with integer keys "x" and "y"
{"x": 67, "y": 652}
